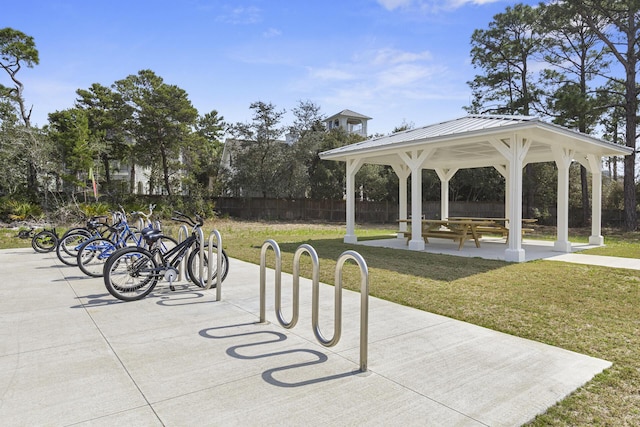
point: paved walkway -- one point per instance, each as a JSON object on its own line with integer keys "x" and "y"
{"x": 70, "y": 354}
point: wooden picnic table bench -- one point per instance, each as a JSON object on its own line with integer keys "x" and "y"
{"x": 457, "y": 230}
{"x": 497, "y": 225}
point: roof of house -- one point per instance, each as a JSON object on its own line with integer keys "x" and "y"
{"x": 348, "y": 113}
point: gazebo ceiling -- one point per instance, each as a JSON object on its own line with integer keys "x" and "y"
{"x": 470, "y": 142}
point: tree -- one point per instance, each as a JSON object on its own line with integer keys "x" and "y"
{"x": 107, "y": 114}
{"x": 69, "y": 130}
{"x": 617, "y": 24}
{"x": 613, "y": 122}
{"x": 261, "y": 162}
{"x": 576, "y": 56}
{"x": 18, "y": 50}
{"x": 202, "y": 155}
{"x": 327, "y": 177}
{"x": 307, "y": 133}
{"x": 504, "y": 52}
{"x": 161, "y": 124}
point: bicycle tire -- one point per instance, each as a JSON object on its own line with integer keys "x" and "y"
{"x": 93, "y": 254}
{"x": 45, "y": 241}
{"x": 76, "y": 230}
{"x": 131, "y": 273}
{"x": 193, "y": 266}
{"x": 67, "y": 249}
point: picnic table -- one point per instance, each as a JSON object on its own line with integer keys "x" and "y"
{"x": 459, "y": 230}
{"x": 498, "y": 225}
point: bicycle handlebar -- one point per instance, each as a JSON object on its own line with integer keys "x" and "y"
{"x": 180, "y": 217}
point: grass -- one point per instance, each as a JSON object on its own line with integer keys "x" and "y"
{"x": 588, "y": 309}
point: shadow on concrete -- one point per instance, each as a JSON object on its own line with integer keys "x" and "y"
{"x": 269, "y": 375}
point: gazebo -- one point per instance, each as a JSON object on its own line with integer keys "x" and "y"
{"x": 507, "y": 143}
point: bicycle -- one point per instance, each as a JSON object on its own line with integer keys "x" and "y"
{"x": 94, "y": 252}
{"x": 131, "y": 273}
{"x": 67, "y": 248}
{"x": 43, "y": 241}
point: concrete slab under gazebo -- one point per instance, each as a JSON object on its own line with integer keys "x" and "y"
{"x": 507, "y": 143}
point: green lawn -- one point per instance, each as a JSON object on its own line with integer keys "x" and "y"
{"x": 588, "y": 309}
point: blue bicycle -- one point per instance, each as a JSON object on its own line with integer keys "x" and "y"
{"x": 94, "y": 252}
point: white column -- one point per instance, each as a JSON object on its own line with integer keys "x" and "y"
{"x": 416, "y": 242}
{"x": 519, "y": 150}
{"x": 445, "y": 176}
{"x": 414, "y": 160}
{"x": 595, "y": 166}
{"x": 563, "y": 157}
{"x": 402, "y": 171}
{"x": 353, "y": 165}
{"x": 514, "y": 150}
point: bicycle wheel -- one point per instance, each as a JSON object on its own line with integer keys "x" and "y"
{"x": 67, "y": 249}
{"x": 193, "y": 266}
{"x": 45, "y": 241}
{"x": 93, "y": 254}
{"x": 76, "y": 230}
{"x": 131, "y": 273}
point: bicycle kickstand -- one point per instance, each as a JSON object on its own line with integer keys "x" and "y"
{"x": 170, "y": 275}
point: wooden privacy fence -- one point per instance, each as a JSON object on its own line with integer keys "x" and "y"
{"x": 335, "y": 210}
{"x": 374, "y": 212}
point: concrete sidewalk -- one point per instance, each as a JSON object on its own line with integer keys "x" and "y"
{"x": 70, "y": 354}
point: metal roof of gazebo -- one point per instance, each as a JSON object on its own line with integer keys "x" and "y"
{"x": 507, "y": 143}
{"x": 467, "y": 142}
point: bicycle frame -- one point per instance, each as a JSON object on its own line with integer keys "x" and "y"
{"x": 173, "y": 258}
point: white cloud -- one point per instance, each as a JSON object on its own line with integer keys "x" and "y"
{"x": 404, "y": 75}
{"x": 429, "y": 6}
{"x": 381, "y": 76}
{"x": 330, "y": 74}
{"x": 393, "y": 56}
{"x": 241, "y": 15}
{"x": 394, "y": 4}
{"x": 272, "y": 32}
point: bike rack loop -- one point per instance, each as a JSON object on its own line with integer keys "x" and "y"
{"x": 218, "y": 237}
{"x": 364, "y": 294}
{"x": 364, "y": 299}
{"x": 263, "y": 274}
{"x": 183, "y": 233}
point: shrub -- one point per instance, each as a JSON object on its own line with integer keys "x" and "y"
{"x": 16, "y": 210}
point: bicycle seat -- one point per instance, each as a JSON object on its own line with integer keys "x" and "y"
{"x": 151, "y": 235}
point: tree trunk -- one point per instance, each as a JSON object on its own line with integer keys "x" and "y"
{"x": 132, "y": 178}
{"x": 631, "y": 95}
{"x": 165, "y": 172}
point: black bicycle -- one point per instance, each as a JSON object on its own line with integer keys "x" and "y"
{"x": 131, "y": 273}
{"x": 43, "y": 241}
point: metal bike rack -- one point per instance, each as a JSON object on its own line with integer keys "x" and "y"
{"x": 364, "y": 299}
{"x": 215, "y": 234}
{"x": 315, "y": 305}
{"x": 263, "y": 273}
{"x": 183, "y": 233}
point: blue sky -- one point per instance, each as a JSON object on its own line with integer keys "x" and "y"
{"x": 393, "y": 60}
